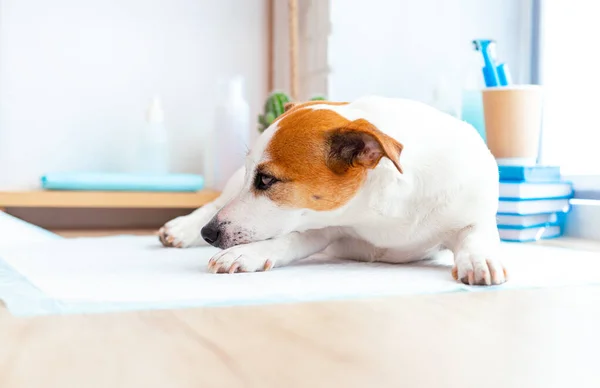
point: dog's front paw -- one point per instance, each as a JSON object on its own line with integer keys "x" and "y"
{"x": 477, "y": 269}
{"x": 182, "y": 232}
{"x": 241, "y": 258}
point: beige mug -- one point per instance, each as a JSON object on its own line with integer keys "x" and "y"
{"x": 513, "y": 121}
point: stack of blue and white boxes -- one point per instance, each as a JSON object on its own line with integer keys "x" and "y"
{"x": 533, "y": 203}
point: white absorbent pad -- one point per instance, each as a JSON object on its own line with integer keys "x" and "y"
{"x": 138, "y": 272}
{"x": 16, "y": 231}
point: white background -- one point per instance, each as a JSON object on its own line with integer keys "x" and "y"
{"x": 413, "y": 48}
{"x": 77, "y": 76}
{"x": 571, "y": 83}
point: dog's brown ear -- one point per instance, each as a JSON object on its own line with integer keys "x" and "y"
{"x": 360, "y": 143}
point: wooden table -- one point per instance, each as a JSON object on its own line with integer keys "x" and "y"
{"x": 515, "y": 338}
{"x": 524, "y": 339}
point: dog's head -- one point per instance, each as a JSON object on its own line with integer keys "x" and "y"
{"x": 311, "y": 161}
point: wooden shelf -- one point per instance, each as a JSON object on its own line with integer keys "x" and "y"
{"x": 69, "y": 233}
{"x": 101, "y": 199}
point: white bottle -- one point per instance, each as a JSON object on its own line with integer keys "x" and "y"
{"x": 153, "y": 150}
{"x": 231, "y": 136}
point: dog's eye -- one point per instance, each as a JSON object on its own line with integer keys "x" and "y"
{"x": 264, "y": 181}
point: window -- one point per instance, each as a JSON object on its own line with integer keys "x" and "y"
{"x": 568, "y": 68}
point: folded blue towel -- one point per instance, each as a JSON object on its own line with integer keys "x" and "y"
{"x": 122, "y": 182}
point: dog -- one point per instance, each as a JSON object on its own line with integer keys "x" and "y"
{"x": 377, "y": 179}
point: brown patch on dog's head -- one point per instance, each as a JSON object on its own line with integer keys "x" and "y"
{"x": 317, "y": 159}
{"x": 289, "y": 105}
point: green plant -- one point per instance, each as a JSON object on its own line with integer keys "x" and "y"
{"x": 274, "y": 107}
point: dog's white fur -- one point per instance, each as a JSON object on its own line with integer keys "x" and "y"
{"x": 446, "y": 198}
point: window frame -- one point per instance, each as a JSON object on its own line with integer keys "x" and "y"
{"x": 586, "y": 187}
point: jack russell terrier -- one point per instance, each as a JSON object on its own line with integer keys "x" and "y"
{"x": 377, "y": 179}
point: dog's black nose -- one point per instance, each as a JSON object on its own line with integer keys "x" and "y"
{"x": 211, "y": 233}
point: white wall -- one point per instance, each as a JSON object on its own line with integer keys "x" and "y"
{"x": 406, "y": 48}
{"x": 76, "y": 78}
